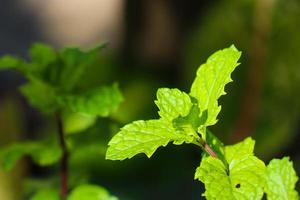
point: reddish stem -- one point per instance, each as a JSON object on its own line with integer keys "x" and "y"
{"x": 64, "y": 159}
{"x": 210, "y": 151}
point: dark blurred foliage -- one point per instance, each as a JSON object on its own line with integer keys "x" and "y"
{"x": 163, "y": 44}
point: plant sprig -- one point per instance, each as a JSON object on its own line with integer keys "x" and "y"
{"x": 228, "y": 172}
{"x": 54, "y": 87}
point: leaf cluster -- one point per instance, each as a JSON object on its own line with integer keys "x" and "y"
{"x": 228, "y": 172}
{"x": 54, "y": 79}
{"x": 54, "y": 87}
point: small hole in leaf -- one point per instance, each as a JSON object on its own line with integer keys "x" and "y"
{"x": 238, "y": 185}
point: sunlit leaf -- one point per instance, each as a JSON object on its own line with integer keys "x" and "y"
{"x": 281, "y": 180}
{"x": 243, "y": 178}
{"x": 211, "y": 80}
{"x": 143, "y": 137}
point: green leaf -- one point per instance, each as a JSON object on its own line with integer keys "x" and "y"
{"x": 211, "y": 80}
{"x": 281, "y": 180}
{"x": 44, "y": 64}
{"x": 62, "y": 69}
{"x": 76, "y": 62}
{"x": 49, "y": 194}
{"x": 101, "y": 101}
{"x": 172, "y": 103}
{"x": 42, "y": 54}
{"x": 239, "y": 150}
{"x": 90, "y": 192}
{"x": 143, "y": 137}
{"x": 42, "y": 153}
{"x": 10, "y": 155}
{"x": 40, "y": 95}
{"x": 46, "y": 154}
{"x": 76, "y": 122}
{"x": 177, "y": 108}
{"x": 54, "y": 81}
{"x": 189, "y": 123}
{"x": 10, "y": 62}
{"x": 243, "y": 178}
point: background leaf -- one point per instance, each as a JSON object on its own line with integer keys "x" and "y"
{"x": 90, "y": 192}
{"x": 40, "y": 95}
{"x": 10, "y": 62}
{"x": 43, "y": 153}
{"x": 101, "y": 101}
{"x": 77, "y": 122}
{"x": 42, "y": 54}
{"x": 54, "y": 78}
{"x": 77, "y": 63}
{"x": 49, "y": 194}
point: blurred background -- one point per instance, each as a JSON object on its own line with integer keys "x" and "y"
{"x": 155, "y": 43}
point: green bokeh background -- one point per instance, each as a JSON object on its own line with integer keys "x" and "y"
{"x": 161, "y": 44}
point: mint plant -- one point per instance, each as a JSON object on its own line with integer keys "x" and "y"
{"x": 54, "y": 87}
{"x": 228, "y": 172}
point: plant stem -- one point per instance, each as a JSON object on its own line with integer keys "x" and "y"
{"x": 210, "y": 151}
{"x": 64, "y": 159}
{"x": 205, "y": 147}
